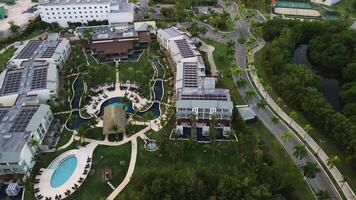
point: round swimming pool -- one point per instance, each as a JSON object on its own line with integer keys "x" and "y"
{"x": 63, "y": 171}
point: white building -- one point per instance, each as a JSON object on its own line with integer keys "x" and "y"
{"x": 20, "y": 125}
{"x": 196, "y": 93}
{"x": 30, "y": 79}
{"x": 326, "y": 2}
{"x": 64, "y": 11}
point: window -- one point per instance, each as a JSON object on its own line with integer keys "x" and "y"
{"x": 57, "y": 8}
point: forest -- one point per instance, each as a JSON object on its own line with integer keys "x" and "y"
{"x": 332, "y": 50}
{"x": 219, "y": 170}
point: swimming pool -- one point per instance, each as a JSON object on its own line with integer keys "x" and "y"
{"x": 63, "y": 171}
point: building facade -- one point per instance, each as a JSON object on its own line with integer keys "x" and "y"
{"x": 199, "y": 106}
{"x": 82, "y": 11}
{"x": 28, "y": 81}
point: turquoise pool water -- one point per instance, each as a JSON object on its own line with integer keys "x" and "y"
{"x": 63, "y": 171}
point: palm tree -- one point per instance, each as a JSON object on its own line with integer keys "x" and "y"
{"x": 300, "y": 151}
{"x": 241, "y": 83}
{"x": 262, "y": 104}
{"x": 115, "y": 128}
{"x": 250, "y": 93}
{"x": 310, "y": 169}
{"x": 307, "y": 129}
{"x": 236, "y": 71}
{"x": 287, "y": 136}
{"x": 193, "y": 118}
{"x": 322, "y": 195}
{"x": 332, "y": 161}
{"x": 292, "y": 115}
{"x": 274, "y": 119}
{"x": 33, "y": 143}
{"x": 212, "y": 134}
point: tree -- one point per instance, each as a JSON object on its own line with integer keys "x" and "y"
{"x": 261, "y": 104}
{"x": 212, "y": 134}
{"x": 300, "y": 151}
{"x": 147, "y": 117}
{"x": 274, "y": 119}
{"x": 310, "y": 169}
{"x": 236, "y": 71}
{"x": 33, "y": 143}
{"x": 307, "y": 128}
{"x": 193, "y": 118}
{"x": 293, "y": 115}
{"x": 287, "y": 136}
{"x": 250, "y": 93}
{"x": 241, "y": 83}
{"x": 332, "y": 161}
{"x": 14, "y": 29}
{"x": 322, "y": 195}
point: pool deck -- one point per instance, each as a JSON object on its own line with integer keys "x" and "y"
{"x": 115, "y": 93}
{"x": 45, "y": 178}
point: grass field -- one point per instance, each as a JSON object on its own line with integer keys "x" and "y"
{"x": 327, "y": 144}
{"x": 104, "y": 156}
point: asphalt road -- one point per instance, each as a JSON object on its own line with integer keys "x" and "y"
{"x": 321, "y": 181}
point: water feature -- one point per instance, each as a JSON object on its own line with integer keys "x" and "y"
{"x": 157, "y": 90}
{"x": 63, "y": 170}
{"x": 115, "y": 101}
{"x": 328, "y": 86}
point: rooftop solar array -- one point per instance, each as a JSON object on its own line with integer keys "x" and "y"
{"x": 22, "y": 119}
{"x": 184, "y": 48}
{"x": 190, "y": 75}
{"x": 2, "y": 114}
{"x": 39, "y": 79}
{"x": 220, "y": 97}
{"x": 48, "y": 53}
{"x": 29, "y": 49}
{"x": 12, "y": 82}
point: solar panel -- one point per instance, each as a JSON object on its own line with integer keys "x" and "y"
{"x": 39, "y": 79}
{"x": 22, "y": 119}
{"x": 190, "y": 75}
{"x": 48, "y": 53}
{"x": 2, "y": 114}
{"x": 184, "y": 48}
{"x": 12, "y": 82}
{"x": 29, "y": 49}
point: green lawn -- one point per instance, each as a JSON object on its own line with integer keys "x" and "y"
{"x": 64, "y": 138}
{"x": 95, "y": 133}
{"x": 5, "y": 56}
{"x": 327, "y": 144}
{"x": 222, "y": 61}
{"x": 104, "y": 157}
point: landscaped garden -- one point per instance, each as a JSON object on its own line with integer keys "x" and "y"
{"x": 116, "y": 159}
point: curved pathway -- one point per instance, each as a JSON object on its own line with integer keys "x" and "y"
{"x": 129, "y": 173}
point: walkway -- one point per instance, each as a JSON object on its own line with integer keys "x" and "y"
{"x": 209, "y": 51}
{"x": 129, "y": 173}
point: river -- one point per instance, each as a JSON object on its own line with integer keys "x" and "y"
{"x": 328, "y": 86}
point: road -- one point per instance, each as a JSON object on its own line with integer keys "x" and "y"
{"x": 322, "y": 180}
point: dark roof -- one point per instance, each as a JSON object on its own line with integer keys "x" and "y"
{"x": 144, "y": 36}
{"x": 112, "y": 47}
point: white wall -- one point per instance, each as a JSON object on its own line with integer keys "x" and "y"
{"x": 74, "y": 13}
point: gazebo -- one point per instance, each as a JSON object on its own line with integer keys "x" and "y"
{"x": 114, "y": 119}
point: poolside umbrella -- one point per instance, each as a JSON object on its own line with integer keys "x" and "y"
{"x": 13, "y": 189}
